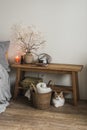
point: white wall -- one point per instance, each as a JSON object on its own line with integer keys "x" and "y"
{"x": 64, "y": 22}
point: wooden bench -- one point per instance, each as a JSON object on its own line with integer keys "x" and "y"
{"x": 51, "y": 68}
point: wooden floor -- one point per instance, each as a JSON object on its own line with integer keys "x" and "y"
{"x": 20, "y": 115}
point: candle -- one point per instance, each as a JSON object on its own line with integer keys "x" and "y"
{"x": 17, "y": 59}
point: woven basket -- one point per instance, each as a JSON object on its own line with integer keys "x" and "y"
{"x": 28, "y": 80}
{"x": 41, "y": 101}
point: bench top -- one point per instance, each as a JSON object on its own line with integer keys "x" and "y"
{"x": 50, "y": 67}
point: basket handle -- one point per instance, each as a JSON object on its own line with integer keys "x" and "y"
{"x": 33, "y": 87}
{"x": 50, "y": 83}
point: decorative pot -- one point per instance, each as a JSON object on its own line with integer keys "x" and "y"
{"x": 28, "y": 58}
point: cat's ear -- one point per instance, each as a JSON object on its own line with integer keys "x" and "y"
{"x": 61, "y": 92}
{"x": 53, "y": 93}
{"x": 56, "y": 93}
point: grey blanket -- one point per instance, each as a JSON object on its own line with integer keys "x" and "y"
{"x": 5, "y": 94}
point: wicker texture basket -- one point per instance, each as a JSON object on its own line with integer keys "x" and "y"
{"x": 41, "y": 101}
{"x": 28, "y": 80}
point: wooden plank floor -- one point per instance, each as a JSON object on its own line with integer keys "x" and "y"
{"x": 20, "y": 115}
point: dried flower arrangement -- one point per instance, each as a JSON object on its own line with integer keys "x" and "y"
{"x": 29, "y": 39}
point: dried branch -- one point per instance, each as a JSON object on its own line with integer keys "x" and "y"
{"x": 28, "y": 38}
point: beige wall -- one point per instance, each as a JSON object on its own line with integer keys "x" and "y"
{"x": 64, "y": 23}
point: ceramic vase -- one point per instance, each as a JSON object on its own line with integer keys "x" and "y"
{"x": 28, "y": 58}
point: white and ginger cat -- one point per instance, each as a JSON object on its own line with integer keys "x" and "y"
{"x": 58, "y": 100}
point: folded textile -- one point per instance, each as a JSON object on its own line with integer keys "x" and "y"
{"x": 42, "y": 88}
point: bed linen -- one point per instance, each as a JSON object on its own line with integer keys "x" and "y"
{"x": 5, "y": 94}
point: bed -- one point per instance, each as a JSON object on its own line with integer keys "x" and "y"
{"x": 5, "y": 94}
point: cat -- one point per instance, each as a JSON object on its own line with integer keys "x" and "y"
{"x": 58, "y": 100}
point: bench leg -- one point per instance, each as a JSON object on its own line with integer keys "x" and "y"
{"x": 77, "y": 87}
{"x": 74, "y": 87}
{"x": 16, "y": 89}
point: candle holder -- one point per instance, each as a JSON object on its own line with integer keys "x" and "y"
{"x": 17, "y": 59}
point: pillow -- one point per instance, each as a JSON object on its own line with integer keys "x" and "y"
{"x": 4, "y": 45}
